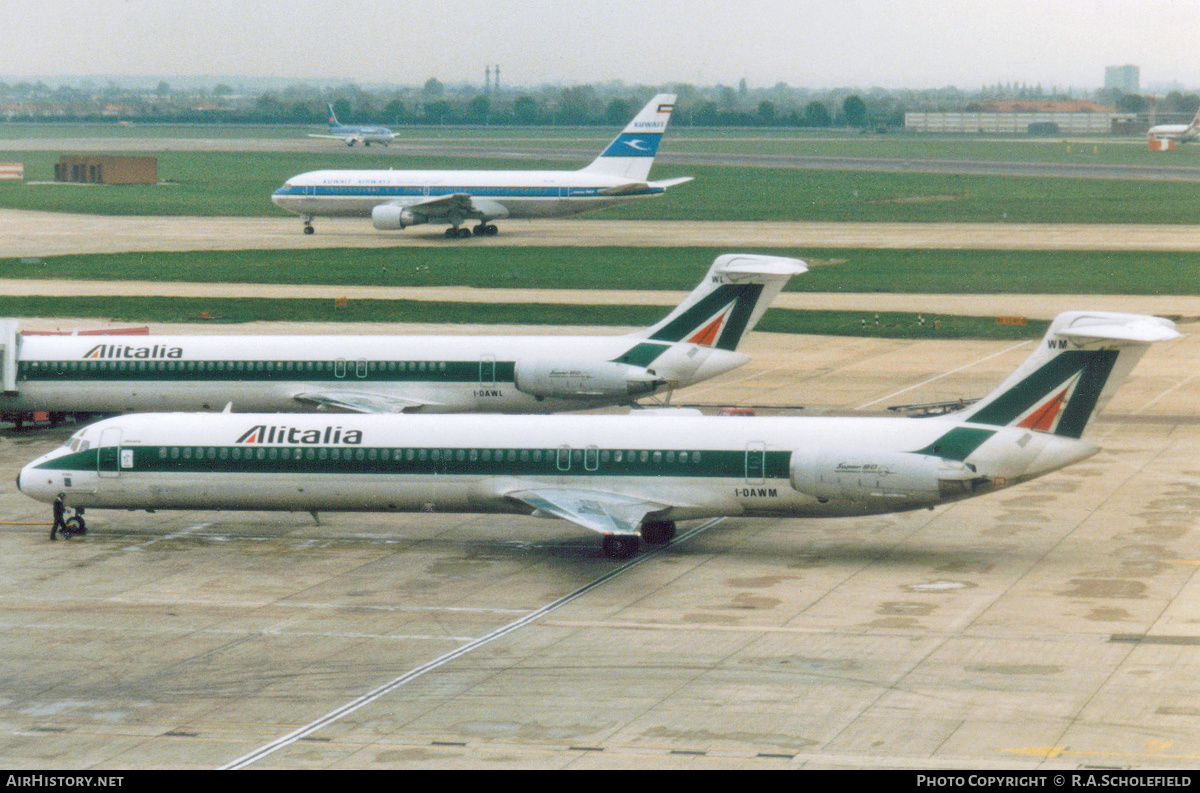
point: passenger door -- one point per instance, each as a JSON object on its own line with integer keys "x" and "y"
{"x": 108, "y": 455}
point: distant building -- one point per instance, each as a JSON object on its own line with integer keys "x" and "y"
{"x": 106, "y": 169}
{"x": 1125, "y": 79}
{"x": 1095, "y": 120}
{"x": 1038, "y": 106}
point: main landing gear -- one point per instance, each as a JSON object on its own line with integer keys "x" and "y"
{"x": 308, "y": 226}
{"x": 623, "y": 546}
{"x": 71, "y": 527}
{"x": 482, "y": 230}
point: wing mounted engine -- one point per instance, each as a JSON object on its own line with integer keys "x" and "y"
{"x": 573, "y": 379}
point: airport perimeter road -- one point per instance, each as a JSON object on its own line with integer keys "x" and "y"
{"x": 1032, "y": 306}
{"x": 32, "y": 233}
{"x": 1049, "y": 626}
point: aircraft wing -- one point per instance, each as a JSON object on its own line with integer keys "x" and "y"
{"x": 358, "y": 402}
{"x": 342, "y": 138}
{"x": 444, "y": 204}
{"x": 607, "y": 513}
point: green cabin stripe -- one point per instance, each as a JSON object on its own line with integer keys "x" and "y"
{"x": 746, "y": 297}
{"x": 642, "y": 354}
{"x": 268, "y": 371}
{"x": 450, "y": 461}
{"x": 958, "y": 443}
{"x": 1093, "y": 367}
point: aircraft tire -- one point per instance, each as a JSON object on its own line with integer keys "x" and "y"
{"x": 479, "y": 230}
{"x": 620, "y": 546}
{"x": 73, "y": 526}
{"x": 451, "y": 233}
{"x": 491, "y": 230}
{"x": 464, "y": 232}
{"x": 658, "y": 532}
{"x": 309, "y": 229}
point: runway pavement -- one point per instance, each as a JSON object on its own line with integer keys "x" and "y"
{"x": 32, "y": 233}
{"x": 1051, "y": 626}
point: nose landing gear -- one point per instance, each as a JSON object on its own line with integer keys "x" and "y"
{"x": 72, "y": 526}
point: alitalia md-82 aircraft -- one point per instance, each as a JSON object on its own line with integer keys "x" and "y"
{"x": 355, "y": 134}
{"x": 621, "y": 476}
{"x": 397, "y": 199}
{"x": 431, "y": 374}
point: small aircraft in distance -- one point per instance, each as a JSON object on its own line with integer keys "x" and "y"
{"x": 351, "y": 134}
{"x": 397, "y": 374}
{"x": 1180, "y": 133}
{"x": 397, "y": 199}
{"x": 625, "y": 477}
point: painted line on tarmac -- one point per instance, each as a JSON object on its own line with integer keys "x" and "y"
{"x": 940, "y": 376}
{"x": 407, "y": 677}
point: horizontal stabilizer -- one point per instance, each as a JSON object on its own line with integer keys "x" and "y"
{"x": 665, "y": 183}
{"x": 1136, "y": 328}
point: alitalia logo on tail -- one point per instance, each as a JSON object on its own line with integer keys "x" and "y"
{"x": 708, "y": 333}
{"x": 106, "y": 351}
{"x": 263, "y": 433}
{"x": 717, "y": 320}
{"x": 1057, "y": 398}
{"x": 1044, "y": 415}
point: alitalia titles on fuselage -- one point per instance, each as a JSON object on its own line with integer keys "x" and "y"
{"x": 263, "y": 433}
{"x": 112, "y": 351}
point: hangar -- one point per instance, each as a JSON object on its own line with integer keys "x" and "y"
{"x": 106, "y": 169}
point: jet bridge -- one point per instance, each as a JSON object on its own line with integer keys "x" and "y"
{"x": 8, "y": 354}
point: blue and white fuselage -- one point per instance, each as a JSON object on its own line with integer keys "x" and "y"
{"x": 398, "y": 199}
{"x": 351, "y": 134}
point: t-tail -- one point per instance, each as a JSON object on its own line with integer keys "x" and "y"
{"x": 728, "y": 303}
{"x": 1078, "y": 366}
{"x": 631, "y": 153}
{"x": 333, "y": 120}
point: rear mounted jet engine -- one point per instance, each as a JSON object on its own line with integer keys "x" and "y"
{"x": 389, "y": 217}
{"x": 564, "y": 379}
{"x": 881, "y": 479}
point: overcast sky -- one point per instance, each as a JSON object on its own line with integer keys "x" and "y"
{"x": 814, "y": 43}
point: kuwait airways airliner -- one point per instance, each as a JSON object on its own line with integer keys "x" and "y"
{"x": 389, "y": 374}
{"x": 622, "y": 476}
{"x": 397, "y": 199}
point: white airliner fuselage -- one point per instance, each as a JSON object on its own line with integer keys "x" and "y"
{"x": 621, "y": 476}
{"x": 381, "y": 374}
{"x": 1180, "y": 133}
{"x": 398, "y": 199}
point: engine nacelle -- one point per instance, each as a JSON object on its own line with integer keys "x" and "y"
{"x": 868, "y": 475}
{"x": 389, "y": 217}
{"x": 574, "y": 379}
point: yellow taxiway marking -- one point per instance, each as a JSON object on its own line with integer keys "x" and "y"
{"x": 1156, "y": 751}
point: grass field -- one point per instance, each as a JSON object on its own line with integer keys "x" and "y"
{"x": 833, "y": 270}
{"x": 190, "y": 310}
{"x": 241, "y": 183}
{"x": 830, "y": 142}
